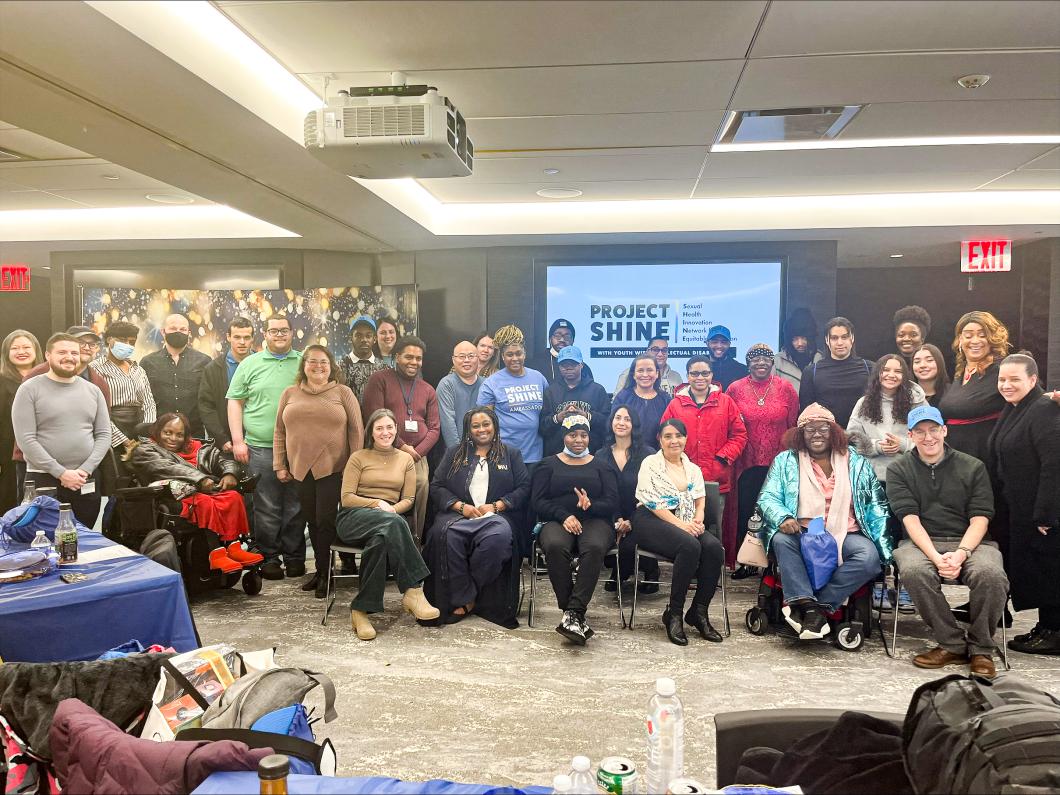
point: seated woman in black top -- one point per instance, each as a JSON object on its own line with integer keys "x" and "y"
{"x": 576, "y": 496}
{"x": 623, "y": 454}
{"x": 480, "y": 491}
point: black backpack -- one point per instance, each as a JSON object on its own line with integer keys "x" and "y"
{"x": 972, "y": 735}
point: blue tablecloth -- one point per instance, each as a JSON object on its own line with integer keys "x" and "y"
{"x": 232, "y": 783}
{"x": 48, "y": 620}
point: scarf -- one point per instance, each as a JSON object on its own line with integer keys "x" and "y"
{"x": 811, "y": 497}
{"x": 656, "y": 491}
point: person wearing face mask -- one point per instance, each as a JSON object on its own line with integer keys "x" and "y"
{"x": 361, "y": 363}
{"x": 911, "y": 327}
{"x": 799, "y": 350}
{"x": 838, "y": 381}
{"x": 726, "y": 369}
{"x": 1025, "y": 467}
{"x": 175, "y": 372}
{"x": 574, "y": 392}
{"x": 213, "y": 406}
{"x": 575, "y": 494}
{"x": 62, "y": 425}
{"x": 131, "y": 399}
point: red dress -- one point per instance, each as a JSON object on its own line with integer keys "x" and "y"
{"x": 222, "y": 512}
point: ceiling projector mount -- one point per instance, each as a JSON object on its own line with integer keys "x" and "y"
{"x": 390, "y": 132}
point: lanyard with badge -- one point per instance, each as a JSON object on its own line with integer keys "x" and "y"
{"x": 410, "y": 424}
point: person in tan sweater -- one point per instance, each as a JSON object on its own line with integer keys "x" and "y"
{"x": 378, "y": 486}
{"x": 318, "y": 426}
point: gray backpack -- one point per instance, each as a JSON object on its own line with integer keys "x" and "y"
{"x": 971, "y": 735}
{"x": 262, "y": 692}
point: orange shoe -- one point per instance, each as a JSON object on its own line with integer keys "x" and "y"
{"x": 219, "y": 560}
{"x": 245, "y": 557}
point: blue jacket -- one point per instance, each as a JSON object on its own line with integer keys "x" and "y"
{"x": 779, "y": 500}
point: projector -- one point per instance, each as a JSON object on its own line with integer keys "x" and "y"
{"x": 387, "y": 132}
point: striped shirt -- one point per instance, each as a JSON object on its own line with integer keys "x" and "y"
{"x": 126, "y": 389}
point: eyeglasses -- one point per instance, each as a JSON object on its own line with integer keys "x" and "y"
{"x": 317, "y": 362}
{"x": 700, "y": 374}
{"x": 465, "y": 357}
{"x": 279, "y": 332}
{"x": 92, "y": 346}
{"x": 817, "y": 430}
{"x": 923, "y": 433}
{"x": 657, "y": 349}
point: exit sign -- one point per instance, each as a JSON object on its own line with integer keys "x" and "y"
{"x": 14, "y": 278}
{"x": 986, "y": 256}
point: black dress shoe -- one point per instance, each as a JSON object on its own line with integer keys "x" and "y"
{"x": 311, "y": 583}
{"x": 675, "y": 629}
{"x": 1046, "y": 641}
{"x": 648, "y": 588}
{"x": 744, "y": 572}
{"x": 272, "y": 570}
{"x": 697, "y": 617}
{"x": 1026, "y": 636}
{"x": 321, "y": 590}
{"x": 295, "y": 569}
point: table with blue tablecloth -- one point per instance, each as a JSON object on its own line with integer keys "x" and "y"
{"x": 233, "y": 783}
{"x": 124, "y": 598}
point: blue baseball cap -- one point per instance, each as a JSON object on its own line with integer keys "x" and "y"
{"x": 362, "y": 319}
{"x": 719, "y": 331}
{"x": 569, "y": 354}
{"x": 921, "y": 413}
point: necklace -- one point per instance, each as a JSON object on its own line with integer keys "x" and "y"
{"x": 761, "y": 398}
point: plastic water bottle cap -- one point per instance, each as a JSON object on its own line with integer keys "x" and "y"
{"x": 665, "y": 686}
{"x": 561, "y": 783}
{"x": 581, "y": 764}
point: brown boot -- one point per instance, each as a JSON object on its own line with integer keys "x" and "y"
{"x": 982, "y": 665}
{"x": 938, "y": 657}
{"x": 361, "y": 625}
{"x": 416, "y": 603}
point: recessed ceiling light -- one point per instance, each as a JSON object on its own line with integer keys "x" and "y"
{"x": 559, "y": 193}
{"x": 111, "y": 177}
{"x": 897, "y": 256}
{"x": 551, "y": 171}
{"x": 169, "y": 198}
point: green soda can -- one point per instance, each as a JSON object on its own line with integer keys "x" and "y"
{"x": 617, "y": 775}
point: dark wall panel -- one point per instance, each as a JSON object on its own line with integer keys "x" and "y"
{"x": 31, "y": 311}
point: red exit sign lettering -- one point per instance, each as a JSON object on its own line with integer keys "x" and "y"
{"x": 986, "y": 256}
{"x": 14, "y": 278}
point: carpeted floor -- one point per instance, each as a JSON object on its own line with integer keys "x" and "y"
{"x": 474, "y": 702}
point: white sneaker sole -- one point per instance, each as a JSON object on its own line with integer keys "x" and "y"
{"x": 805, "y": 634}
{"x": 795, "y": 625}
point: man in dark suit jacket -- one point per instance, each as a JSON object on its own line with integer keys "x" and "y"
{"x": 213, "y": 407}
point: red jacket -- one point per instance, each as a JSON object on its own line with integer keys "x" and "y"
{"x": 715, "y": 430}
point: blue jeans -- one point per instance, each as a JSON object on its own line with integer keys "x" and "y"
{"x": 861, "y": 563}
{"x": 279, "y": 529}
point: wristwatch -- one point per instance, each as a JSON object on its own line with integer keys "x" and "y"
{"x": 967, "y": 552}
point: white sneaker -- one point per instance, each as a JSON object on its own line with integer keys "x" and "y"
{"x": 789, "y": 616}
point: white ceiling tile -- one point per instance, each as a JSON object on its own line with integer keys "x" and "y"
{"x": 890, "y": 160}
{"x": 633, "y": 164}
{"x": 36, "y": 200}
{"x": 823, "y": 26}
{"x": 596, "y": 132}
{"x": 116, "y": 197}
{"x": 563, "y": 90}
{"x": 998, "y": 117}
{"x": 1028, "y": 180}
{"x": 37, "y": 146}
{"x": 1048, "y": 161}
{"x": 842, "y": 184}
{"x": 459, "y": 191}
{"x": 5, "y": 126}
{"x": 7, "y": 185}
{"x": 857, "y": 79}
{"x": 66, "y": 176}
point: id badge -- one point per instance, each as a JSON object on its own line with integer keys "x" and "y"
{"x": 412, "y": 426}
{"x": 89, "y": 488}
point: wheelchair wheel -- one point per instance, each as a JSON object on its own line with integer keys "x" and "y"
{"x": 252, "y": 582}
{"x": 848, "y": 639}
{"x": 756, "y": 621}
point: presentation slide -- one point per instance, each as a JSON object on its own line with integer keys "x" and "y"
{"x": 617, "y": 309}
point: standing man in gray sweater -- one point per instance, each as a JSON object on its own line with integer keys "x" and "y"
{"x": 62, "y": 425}
{"x": 458, "y": 392}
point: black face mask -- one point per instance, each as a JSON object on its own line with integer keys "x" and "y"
{"x": 177, "y": 339}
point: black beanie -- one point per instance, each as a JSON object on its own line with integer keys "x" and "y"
{"x": 800, "y": 324}
{"x": 560, "y": 323}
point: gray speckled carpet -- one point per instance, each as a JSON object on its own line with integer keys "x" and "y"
{"x": 477, "y": 703}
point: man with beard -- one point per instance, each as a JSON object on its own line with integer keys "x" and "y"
{"x": 799, "y": 350}
{"x": 175, "y": 372}
{"x": 62, "y": 425}
{"x": 726, "y": 369}
{"x": 213, "y": 405}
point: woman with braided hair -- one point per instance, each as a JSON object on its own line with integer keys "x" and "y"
{"x": 516, "y": 394}
{"x": 480, "y": 490}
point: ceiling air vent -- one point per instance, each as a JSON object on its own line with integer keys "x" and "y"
{"x": 375, "y": 120}
{"x": 786, "y": 124}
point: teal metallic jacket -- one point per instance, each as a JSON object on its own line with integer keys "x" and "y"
{"x": 779, "y": 500}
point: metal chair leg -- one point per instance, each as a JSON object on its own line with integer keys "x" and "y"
{"x": 636, "y": 583}
{"x": 1004, "y": 637}
{"x": 329, "y": 599}
{"x": 533, "y": 584}
{"x": 897, "y": 612}
{"x": 618, "y": 588}
{"x": 725, "y": 603}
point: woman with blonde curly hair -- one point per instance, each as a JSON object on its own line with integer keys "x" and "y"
{"x": 972, "y": 404}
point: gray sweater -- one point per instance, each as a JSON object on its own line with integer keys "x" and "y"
{"x": 868, "y": 435}
{"x": 61, "y": 426}
{"x": 455, "y": 398}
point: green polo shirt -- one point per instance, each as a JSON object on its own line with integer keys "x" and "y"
{"x": 259, "y": 381}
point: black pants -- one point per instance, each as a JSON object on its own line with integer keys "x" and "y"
{"x": 693, "y": 558}
{"x": 1049, "y": 617}
{"x": 561, "y": 548}
{"x": 747, "y": 490}
{"x": 85, "y": 506}
{"x": 320, "y": 505}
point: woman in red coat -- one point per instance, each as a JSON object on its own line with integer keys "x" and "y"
{"x": 716, "y": 433}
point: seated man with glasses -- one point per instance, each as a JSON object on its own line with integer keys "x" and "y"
{"x": 944, "y": 500}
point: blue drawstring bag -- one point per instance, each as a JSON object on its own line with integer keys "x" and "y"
{"x": 22, "y": 522}
{"x": 819, "y": 553}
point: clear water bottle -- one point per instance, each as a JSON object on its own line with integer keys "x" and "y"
{"x": 42, "y": 542}
{"x": 66, "y": 535}
{"x": 582, "y": 780}
{"x": 666, "y": 737}
{"x": 29, "y": 492}
{"x": 561, "y": 785}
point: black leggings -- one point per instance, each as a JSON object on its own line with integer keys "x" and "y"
{"x": 319, "y": 498}
{"x": 693, "y": 558}
{"x": 561, "y": 548}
